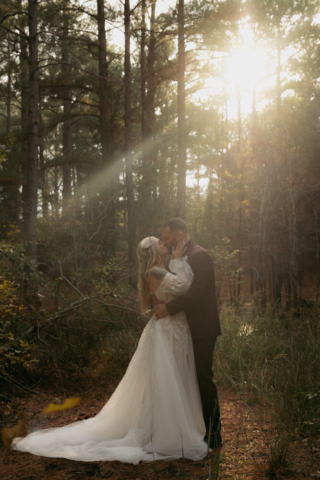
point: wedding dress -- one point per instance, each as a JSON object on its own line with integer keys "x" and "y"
{"x": 155, "y": 413}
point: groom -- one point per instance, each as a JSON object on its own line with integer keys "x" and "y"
{"x": 200, "y": 307}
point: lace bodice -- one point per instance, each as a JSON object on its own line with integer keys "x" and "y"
{"x": 176, "y": 283}
{"x": 175, "y": 328}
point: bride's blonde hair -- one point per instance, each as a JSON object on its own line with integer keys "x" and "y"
{"x": 148, "y": 254}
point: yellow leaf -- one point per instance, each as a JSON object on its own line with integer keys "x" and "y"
{"x": 8, "y": 434}
{"x": 68, "y": 403}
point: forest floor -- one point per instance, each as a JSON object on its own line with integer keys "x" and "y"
{"x": 248, "y": 432}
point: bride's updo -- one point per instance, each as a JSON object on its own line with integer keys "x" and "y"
{"x": 148, "y": 254}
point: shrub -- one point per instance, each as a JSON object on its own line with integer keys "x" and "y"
{"x": 15, "y": 353}
{"x": 49, "y": 319}
{"x": 274, "y": 357}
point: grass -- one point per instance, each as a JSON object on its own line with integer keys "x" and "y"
{"x": 273, "y": 358}
{"x": 278, "y": 456}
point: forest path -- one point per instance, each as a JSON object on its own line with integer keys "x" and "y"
{"x": 247, "y": 433}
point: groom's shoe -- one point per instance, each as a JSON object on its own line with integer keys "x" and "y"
{"x": 215, "y": 441}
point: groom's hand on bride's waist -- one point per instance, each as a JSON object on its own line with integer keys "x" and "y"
{"x": 160, "y": 309}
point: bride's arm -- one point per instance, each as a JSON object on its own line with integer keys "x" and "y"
{"x": 203, "y": 273}
{"x": 177, "y": 284}
{"x": 177, "y": 281}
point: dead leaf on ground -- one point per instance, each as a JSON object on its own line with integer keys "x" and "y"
{"x": 8, "y": 434}
{"x": 68, "y": 403}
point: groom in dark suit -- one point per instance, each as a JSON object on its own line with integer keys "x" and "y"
{"x": 200, "y": 307}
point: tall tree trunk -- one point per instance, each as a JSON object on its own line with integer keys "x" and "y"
{"x": 74, "y": 180}
{"x": 225, "y": 129}
{"x": 43, "y": 181}
{"x": 239, "y": 121}
{"x": 240, "y": 236}
{"x": 32, "y": 171}
{"x": 182, "y": 136}
{"x": 24, "y": 117}
{"x": 317, "y": 236}
{"x": 10, "y": 191}
{"x": 279, "y": 67}
{"x": 105, "y": 123}
{"x": 293, "y": 244}
{"x": 261, "y": 250}
{"x": 143, "y": 78}
{"x": 127, "y": 136}
{"x": 56, "y": 193}
{"x": 240, "y": 188}
{"x": 149, "y": 171}
{"x": 254, "y": 123}
{"x": 251, "y": 272}
{"x": 43, "y": 174}
{"x": 254, "y": 117}
{"x": 5, "y": 187}
{"x": 277, "y": 277}
{"x": 9, "y": 90}
{"x": 67, "y": 145}
{"x": 103, "y": 80}
{"x": 280, "y": 267}
{"x": 144, "y": 191}
{"x": 151, "y": 103}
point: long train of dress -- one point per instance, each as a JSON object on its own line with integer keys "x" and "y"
{"x": 155, "y": 412}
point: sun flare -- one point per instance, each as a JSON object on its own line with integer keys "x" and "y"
{"x": 243, "y": 70}
{"x": 246, "y": 67}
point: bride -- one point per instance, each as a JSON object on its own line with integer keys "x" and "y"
{"x": 155, "y": 413}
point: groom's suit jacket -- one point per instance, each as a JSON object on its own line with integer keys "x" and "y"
{"x": 200, "y": 302}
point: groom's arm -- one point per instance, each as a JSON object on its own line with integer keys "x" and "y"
{"x": 203, "y": 272}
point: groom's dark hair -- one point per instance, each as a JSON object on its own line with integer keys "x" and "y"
{"x": 176, "y": 224}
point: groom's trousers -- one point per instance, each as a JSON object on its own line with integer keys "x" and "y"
{"x": 203, "y": 353}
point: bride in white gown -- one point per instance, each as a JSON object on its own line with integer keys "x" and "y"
{"x": 155, "y": 413}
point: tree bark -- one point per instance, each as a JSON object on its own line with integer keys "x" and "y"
{"x": 56, "y": 193}
{"x": 9, "y": 90}
{"x": 143, "y": 78}
{"x": 317, "y": 237}
{"x": 144, "y": 194}
{"x": 32, "y": 168}
{"x": 67, "y": 145}
{"x": 104, "y": 121}
{"x": 251, "y": 272}
{"x": 276, "y": 276}
{"x": 10, "y": 190}
{"x": 240, "y": 188}
{"x": 240, "y": 234}
{"x": 148, "y": 149}
{"x": 128, "y": 144}
{"x": 103, "y": 79}
{"x": 279, "y": 67}
{"x": 43, "y": 173}
{"x": 150, "y": 75}
{"x": 239, "y": 121}
{"x": 24, "y": 116}
{"x": 261, "y": 250}
{"x": 182, "y": 147}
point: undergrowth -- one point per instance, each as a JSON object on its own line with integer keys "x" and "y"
{"x": 63, "y": 323}
{"x": 274, "y": 357}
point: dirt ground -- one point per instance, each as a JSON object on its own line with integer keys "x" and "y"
{"x": 247, "y": 434}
